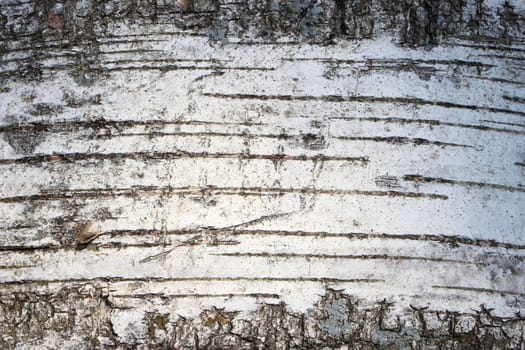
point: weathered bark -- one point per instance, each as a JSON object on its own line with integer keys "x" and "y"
{"x": 262, "y": 174}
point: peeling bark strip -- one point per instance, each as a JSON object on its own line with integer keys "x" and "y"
{"x": 320, "y": 174}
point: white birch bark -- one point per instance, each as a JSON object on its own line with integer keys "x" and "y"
{"x": 303, "y": 175}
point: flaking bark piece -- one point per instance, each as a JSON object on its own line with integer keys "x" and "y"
{"x": 185, "y": 5}
{"x": 87, "y": 233}
{"x": 55, "y": 21}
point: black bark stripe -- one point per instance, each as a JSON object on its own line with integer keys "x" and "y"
{"x": 451, "y": 241}
{"x": 516, "y": 99}
{"x": 420, "y": 178}
{"x": 173, "y": 67}
{"x": 365, "y": 99}
{"x": 103, "y": 123}
{"x": 350, "y": 257}
{"x": 389, "y": 139}
{"x": 480, "y": 290}
{"x": 160, "y": 33}
{"x": 196, "y": 295}
{"x": 394, "y": 63}
{"x": 23, "y": 282}
{"x": 164, "y": 190}
{"x": 72, "y": 157}
{"x": 503, "y": 123}
{"x": 401, "y": 140}
{"x": 204, "y": 134}
{"x": 434, "y": 122}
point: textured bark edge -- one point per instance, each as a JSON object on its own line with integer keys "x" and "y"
{"x": 82, "y": 317}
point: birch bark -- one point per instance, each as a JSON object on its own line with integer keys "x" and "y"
{"x": 262, "y": 174}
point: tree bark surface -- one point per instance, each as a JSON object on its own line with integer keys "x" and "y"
{"x": 262, "y": 174}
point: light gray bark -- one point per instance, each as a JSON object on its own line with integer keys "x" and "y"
{"x": 262, "y": 174}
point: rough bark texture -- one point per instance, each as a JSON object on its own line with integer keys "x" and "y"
{"x": 319, "y": 174}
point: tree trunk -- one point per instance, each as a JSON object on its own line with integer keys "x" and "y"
{"x": 207, "y": 174}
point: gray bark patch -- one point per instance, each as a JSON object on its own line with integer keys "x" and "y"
{"x": 338, "y": 320}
